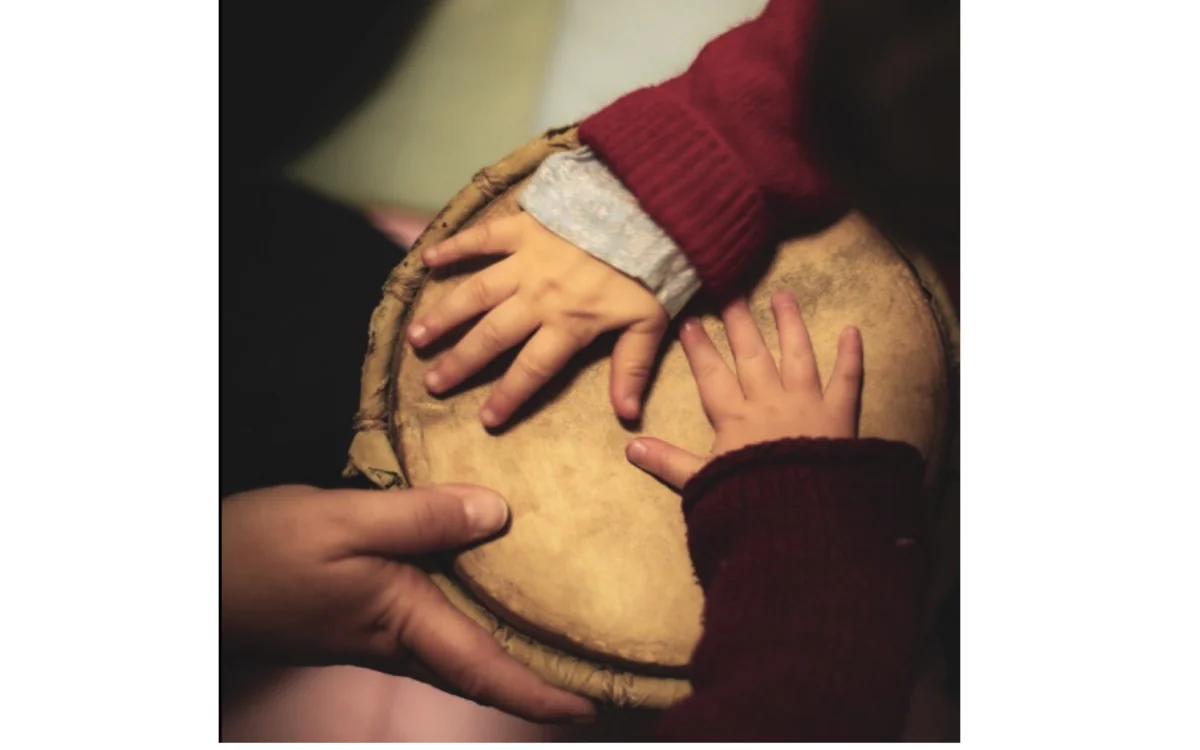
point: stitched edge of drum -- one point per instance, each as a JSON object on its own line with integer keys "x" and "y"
{"x": 947, "y": 320}
{"x": 914, "y": 289}
{"x": 374, "y": 451}
{"x": 596, "y": 681}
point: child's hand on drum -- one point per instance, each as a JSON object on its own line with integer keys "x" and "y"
{"x": 762, "y": 402}
{"x": 546, "y": 287}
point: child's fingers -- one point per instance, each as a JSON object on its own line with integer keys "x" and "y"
{"x": 498, "y": 237}
{"x": 718, "y": 387}
{"x": 479, "y": 293}
{"x": 540, "y": 360}
{"x": 674, "y": 466}
{"x": 845, "y": 384}
{"x": 498, "y": 331}
{"x": 797, "y": 365}
{"x": 632, "y": 361}
{"x": 755, "y": 366}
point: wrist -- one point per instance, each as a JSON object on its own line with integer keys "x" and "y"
{"x": 574, "y": 196}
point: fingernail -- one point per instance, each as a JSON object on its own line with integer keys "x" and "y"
{"x": 430, "y": 255}
{"x": 433, "y": 380}
{"x": 637, "y": 451}
{"x": 688, "y": 324}
{"x": 486, "y": 512}
{"x": 631, "y": 405}
{"x": 416, "y": 333}
{"x": 488, "y": 417}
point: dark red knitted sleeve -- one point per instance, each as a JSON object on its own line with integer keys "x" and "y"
{"x": 813, "y": 558}
{"x": 717, "y": 156}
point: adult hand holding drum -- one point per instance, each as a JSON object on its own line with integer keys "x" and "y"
{"x": 592, "y": 586}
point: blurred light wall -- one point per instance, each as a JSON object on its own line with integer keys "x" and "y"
{"x": 483, "y": 76}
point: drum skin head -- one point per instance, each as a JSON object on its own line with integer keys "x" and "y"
{"x": 595, "y": 561}
{"x": 591, "y": 585}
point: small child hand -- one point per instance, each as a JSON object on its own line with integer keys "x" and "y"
{"x": 551, "y": 289}
{"x": 761, "y": 403}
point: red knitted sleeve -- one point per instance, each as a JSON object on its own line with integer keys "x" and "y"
{"x": 717, "y": 156}
{"x": 813, "y": 558}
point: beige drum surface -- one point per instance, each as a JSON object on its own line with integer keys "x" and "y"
{"x": 595, "y": 562}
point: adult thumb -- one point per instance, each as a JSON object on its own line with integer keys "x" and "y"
{"x": 430, "y": 519}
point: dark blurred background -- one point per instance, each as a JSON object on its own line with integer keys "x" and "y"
{"x": 291, "y": 72}
{"x": 345, "y": 126}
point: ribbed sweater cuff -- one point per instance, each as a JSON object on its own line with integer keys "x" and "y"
{"x": 809, "y": 524}
{"x": 685, "y": 176}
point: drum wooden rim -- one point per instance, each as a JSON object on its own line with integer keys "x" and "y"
{"x": 374, "y": 451}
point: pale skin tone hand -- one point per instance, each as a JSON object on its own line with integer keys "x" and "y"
{"x": 321, "y": 577}
{"x": 762, "y": 401}
{"x": 550, "y": 292}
